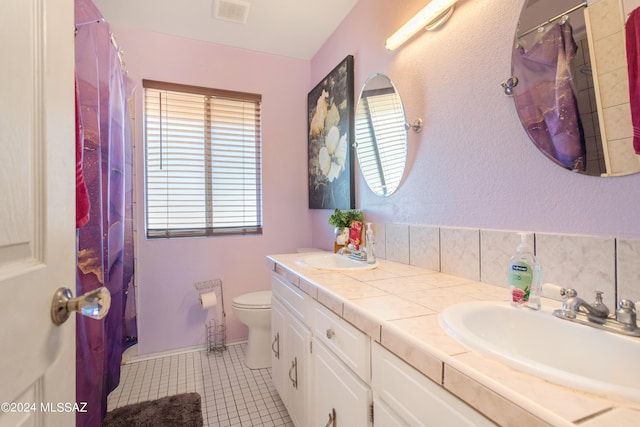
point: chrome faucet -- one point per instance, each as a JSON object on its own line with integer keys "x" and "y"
{"x": 626, "y": 314}
{"x": 573, "y": 303}
{"x": 352, "y": 252}
{"x": 575, "y": 309}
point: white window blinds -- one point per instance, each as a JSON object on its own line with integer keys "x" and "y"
{"x": 203, "y": 161}
{"x": 381, "y": 133}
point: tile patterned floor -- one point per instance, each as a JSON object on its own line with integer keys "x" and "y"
{"x": 232, "y": 394}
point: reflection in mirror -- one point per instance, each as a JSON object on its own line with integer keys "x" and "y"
{"x": 381, "y": 135}
{"x": 572, "y": 94}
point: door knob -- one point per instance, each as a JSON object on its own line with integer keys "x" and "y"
{"x": 94, "y": 304}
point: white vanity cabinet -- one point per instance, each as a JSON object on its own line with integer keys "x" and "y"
{"x": 341, "y": 362}
{"x": 291, "y": 345}
{"x": 405, "y": 397}
{"x": 330, "y": 374}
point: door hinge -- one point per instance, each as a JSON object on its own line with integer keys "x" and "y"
{"x": 311, "y": 347}
{"x": 371, "y": 413}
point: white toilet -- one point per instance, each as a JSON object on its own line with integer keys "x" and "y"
{"x": 254, "y": 310}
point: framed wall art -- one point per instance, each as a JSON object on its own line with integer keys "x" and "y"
{"x": 330, "y": 137}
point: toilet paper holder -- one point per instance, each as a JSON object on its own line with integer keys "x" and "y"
{"x": 215, "y": 328}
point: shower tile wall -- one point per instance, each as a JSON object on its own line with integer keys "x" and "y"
{"x": 586, "y": 97}
{"x": 585, "y": 263}
{"x": 609, "y": 64}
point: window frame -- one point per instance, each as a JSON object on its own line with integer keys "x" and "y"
{"x": 209, "y": 229}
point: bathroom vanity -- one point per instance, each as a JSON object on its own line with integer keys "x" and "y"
{"x": 365, "y": 348}
{"x": 319, "y": 357}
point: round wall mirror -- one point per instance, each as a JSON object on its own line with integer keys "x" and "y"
{"x": 381, "y": 135}
{"x": 572, "y": 91}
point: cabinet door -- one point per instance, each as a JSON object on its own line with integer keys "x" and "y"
{"x": 299, "y": 374}
{"x": 385, "y": 417}
{"x": 339, "y": 397}
{"x": 278, "y": 360}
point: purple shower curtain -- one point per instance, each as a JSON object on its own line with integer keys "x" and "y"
{"x": 545, "y": 97}
{"x": 105, "y": 242}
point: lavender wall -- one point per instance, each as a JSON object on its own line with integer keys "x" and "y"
{"x": 473, "y": 165}
{"x": 169, "y": 313}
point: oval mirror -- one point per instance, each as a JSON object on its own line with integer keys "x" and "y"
{"x": 381, "y": 135}
{"x": 572, "y": 91}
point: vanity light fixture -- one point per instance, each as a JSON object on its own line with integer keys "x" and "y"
{"x": 431, "y": 17}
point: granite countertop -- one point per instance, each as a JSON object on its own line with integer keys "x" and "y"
{"x": 397, "y": 305}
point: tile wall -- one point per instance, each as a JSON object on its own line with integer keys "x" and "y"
{"x": 585, "y": 263}
{"x": 605, "y": 25}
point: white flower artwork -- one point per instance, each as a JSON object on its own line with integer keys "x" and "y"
{"x": 330, "y": 123}
{"x": 333, "y": 155}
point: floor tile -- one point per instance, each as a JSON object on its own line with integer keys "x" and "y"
{"x": 232, "y": 394}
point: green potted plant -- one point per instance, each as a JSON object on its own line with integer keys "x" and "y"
{"x": 342, "y": 219}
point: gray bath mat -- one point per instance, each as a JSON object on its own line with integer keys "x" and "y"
{"x": 182, "y": 410}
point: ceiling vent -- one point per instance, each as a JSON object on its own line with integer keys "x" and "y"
{"x": 231, "y": 10}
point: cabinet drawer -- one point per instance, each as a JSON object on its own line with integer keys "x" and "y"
{"x": 293, "y": 298}
{"x": 350, "y": 345}
{"x": 414, "y": 398}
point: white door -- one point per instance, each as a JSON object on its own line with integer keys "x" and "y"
{"x": 37, "y": 211}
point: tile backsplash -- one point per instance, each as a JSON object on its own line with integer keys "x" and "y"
{"x": 585, "y": 263}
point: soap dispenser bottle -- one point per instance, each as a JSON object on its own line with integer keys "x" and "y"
{"x": 524, "y": 276}
{"x": 369, "y": 244}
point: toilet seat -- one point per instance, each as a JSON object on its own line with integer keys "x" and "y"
{"x": 260, "y": 300}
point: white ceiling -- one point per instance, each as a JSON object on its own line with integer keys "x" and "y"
{"x": 293, "y": 28}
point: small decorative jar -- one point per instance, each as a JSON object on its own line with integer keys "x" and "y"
{"x": 342, "y": 236}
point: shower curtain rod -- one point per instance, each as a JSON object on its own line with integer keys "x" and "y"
{"x": 548, "y": 21}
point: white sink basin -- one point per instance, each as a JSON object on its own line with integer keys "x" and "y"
{"x": 333, "y": 262}
{"x": 557, "y": 350}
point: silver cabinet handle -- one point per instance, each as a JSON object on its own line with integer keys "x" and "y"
{"x": 94, "y": 304}
{"x": 275, "y": 345}
{"x": 294, "y": 369}
{"x": 330, "y": 333}
{"x": 332, "y": 418}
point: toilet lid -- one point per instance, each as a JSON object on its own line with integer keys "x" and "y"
{"x": 255, "y": 300}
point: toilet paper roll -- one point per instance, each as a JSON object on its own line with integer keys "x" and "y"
{"x": 208, "y": 300}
